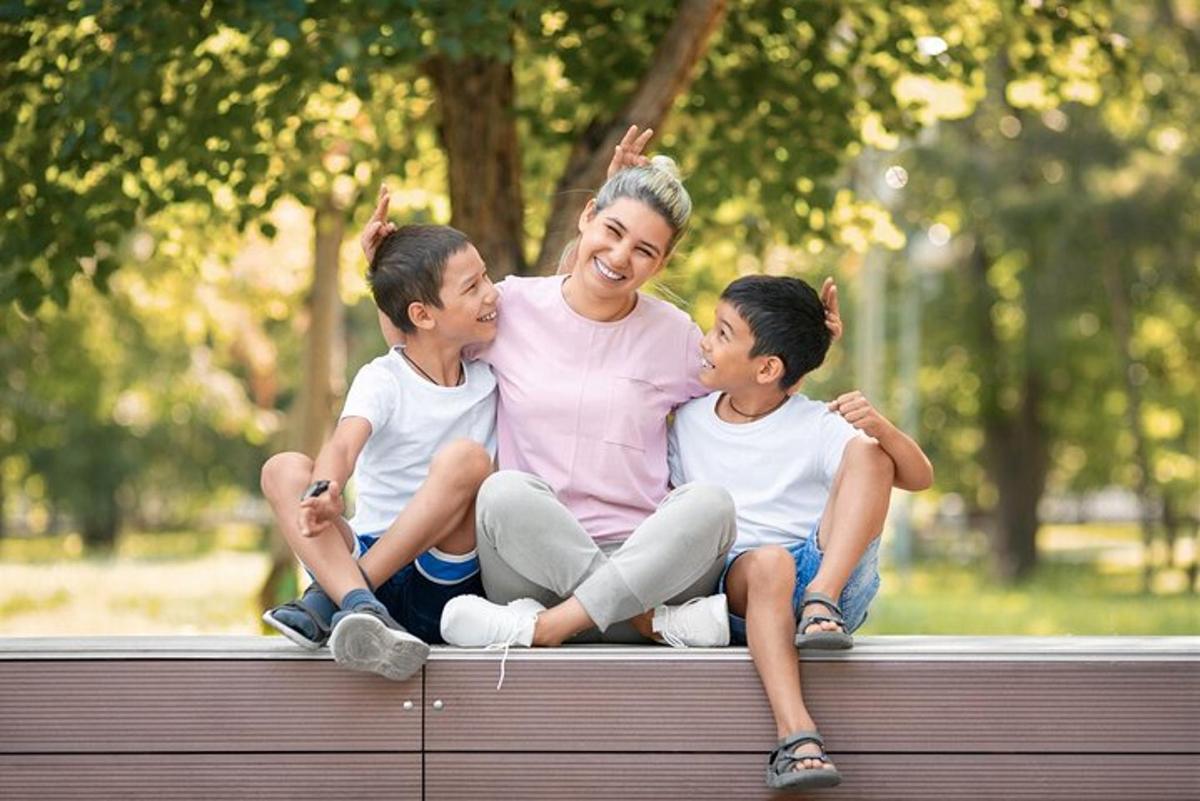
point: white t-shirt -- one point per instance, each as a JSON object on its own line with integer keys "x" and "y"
{"x": 411, "y": 420}
{"x": 778, "y": 469}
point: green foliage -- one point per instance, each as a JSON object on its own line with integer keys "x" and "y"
{"x": 110, "y": 112}
{"x": 1067, "y": 204}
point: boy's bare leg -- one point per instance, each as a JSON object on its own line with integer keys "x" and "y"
{"x": 854, "y": 516}
{"x": 329, "y": 555}
{"x": 759, "y": 587}
{"x": 441, "y": 513}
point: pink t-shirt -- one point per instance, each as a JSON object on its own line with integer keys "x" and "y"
{"x": 583, "y": 404}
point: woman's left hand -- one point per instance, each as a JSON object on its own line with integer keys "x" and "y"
{"x": 628, "y": 152}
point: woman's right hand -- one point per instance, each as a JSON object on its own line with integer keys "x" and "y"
{"x": 628, "y": 152}
{"x": 378, "y": 227}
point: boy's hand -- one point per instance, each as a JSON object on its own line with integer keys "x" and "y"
{"x": 858, "y": 412}
{"x": 628, "y": 153}
{"x": 378, "y": 227}
{"x": 829, "y": 299}
{"x": 320, "y": 512}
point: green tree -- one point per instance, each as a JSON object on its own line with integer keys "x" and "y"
{"x": 1065, "y": 311}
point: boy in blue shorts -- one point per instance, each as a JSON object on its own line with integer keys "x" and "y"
{"x": 418, "y": 432}
{"x": 811, "y": 482}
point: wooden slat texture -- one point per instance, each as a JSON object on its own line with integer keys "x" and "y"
{"x": 211, "y": 776}
{"x": 906, "y": 718}
{"x": 870, "y": 706}
{"x": 867, "y": 777}
{"x": 920, "y": 648}
{"x": 149, "y": 706}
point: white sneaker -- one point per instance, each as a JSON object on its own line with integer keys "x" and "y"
{"x": 469, "y": 621}
{"x": 698, "y": 623}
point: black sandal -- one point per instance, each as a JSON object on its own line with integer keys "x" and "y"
{"x": 834, "y": 640}
{"x": 780, "y": 765}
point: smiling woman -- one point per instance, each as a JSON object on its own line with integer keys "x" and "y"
{"x": 580, "y": 517}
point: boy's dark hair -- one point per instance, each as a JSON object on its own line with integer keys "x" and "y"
{"x": 787, "y": 319}
{"x": 408, "y": 268}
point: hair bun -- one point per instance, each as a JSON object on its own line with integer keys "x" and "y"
{"x": 667, "y": 165}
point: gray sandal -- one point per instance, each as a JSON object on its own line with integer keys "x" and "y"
{"x": 834, "y": 640}
{"x": 305, "y": 621}
{"x": 780, "y": 765}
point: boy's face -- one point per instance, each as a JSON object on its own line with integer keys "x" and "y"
{"x": 727, "y": 364}
{"x": 469, "y": 301}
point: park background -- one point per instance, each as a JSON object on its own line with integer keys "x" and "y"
{"x": 1004, "y": 191}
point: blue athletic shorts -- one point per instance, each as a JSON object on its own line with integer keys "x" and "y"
{"x": 856, "y": 597}
{"x": 416, "y": 595}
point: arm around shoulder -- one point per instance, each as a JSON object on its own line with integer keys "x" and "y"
{"x": 914, "y": 472}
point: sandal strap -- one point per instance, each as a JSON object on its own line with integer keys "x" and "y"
{"x": 784, "y": 757}
{"x": 299, "y": 606}
{"x": 800, "y": 738}
{"x": 813, "y": 597}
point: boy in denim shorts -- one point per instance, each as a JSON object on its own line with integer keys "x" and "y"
{"x": 418, "y": 432}
{"x": 811, "y": 482}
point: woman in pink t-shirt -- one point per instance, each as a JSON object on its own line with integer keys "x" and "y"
{"x": 579, "y": 530}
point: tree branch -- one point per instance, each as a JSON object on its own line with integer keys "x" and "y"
{"x": 670, "y": 73}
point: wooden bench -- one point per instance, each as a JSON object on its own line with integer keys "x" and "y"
{"x": 905, "y": 717}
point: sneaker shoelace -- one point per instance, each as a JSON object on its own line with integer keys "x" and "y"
{"x": 507, "y": 646}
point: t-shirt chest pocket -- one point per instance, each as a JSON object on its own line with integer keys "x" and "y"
{"x": 635, "y": 410}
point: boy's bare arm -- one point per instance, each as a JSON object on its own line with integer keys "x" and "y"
{"x": 913, "y": 470}
{"x": 334, "y": 464}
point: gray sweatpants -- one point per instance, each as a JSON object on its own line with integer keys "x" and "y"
{"x": 531, "y": 546}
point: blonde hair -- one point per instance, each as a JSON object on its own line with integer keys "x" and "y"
{"x": 658, "y": 185}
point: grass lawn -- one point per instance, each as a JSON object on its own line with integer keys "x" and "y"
{"x": 187, "y": 583}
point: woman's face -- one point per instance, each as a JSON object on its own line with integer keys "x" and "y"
{"x": 620, "y": 247}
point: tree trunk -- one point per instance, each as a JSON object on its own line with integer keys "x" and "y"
{"x": 324, "y": 370}
{"x": 1017, "y": 459}
{"x": 1016, "y": 456}
{"x": 100, "y": 522}
{"x": 670, "y": 73}
{"x": 1122, "y": 323}
{"x": 478, "y": 130}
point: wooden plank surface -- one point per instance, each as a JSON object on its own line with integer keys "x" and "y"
{"x": 866, "y": 777}
{"x": 867, "y": 706}
{"x": 177, "y": 777}
{"x": 148, "y": 706}
{"x": 889, "y": 648}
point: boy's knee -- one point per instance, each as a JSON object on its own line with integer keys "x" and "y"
{"x": 464, "y": 459}
{"x": 770, "y": 567}
{"x": 871, "y": 460}
{"x": 285, "y": 470}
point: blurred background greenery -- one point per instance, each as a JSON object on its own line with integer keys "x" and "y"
{"x": 1005, "y": 193}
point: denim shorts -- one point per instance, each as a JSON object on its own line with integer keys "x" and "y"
{"x": 416, "y": 595}
{"x": 856, "y": 597}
